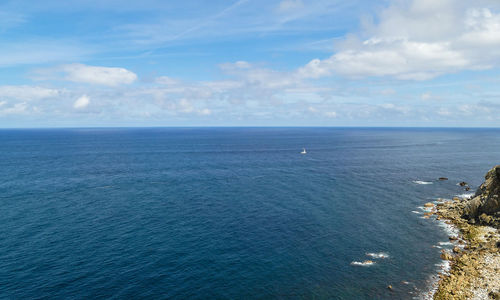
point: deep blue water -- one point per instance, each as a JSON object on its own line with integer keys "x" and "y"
{"x": 227, "y": 213}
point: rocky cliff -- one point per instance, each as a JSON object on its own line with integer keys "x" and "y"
{"x": 485, "y": 206}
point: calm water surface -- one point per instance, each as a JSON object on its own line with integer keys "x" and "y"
{"x": 227, "y": 213}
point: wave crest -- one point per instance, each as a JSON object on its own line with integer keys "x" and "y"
{"x": 421, "y": 182}
{"x": 378, "y": 255}
{"x": 365, "y": 263}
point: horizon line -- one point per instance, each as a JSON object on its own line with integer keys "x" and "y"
{"x": 246, "y": 126}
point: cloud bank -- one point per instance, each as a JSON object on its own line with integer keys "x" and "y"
{"x": 417, "y": 40}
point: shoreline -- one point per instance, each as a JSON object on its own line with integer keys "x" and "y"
{"x": 474, "y": 261}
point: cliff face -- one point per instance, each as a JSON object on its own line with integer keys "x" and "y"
{"x": 485, "y": 206}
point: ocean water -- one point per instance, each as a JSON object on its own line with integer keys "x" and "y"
{"x": 228, "y": 213}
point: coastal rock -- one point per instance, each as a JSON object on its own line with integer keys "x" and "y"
{"x": 463, "y": 183}
{"x": 471, "y": 210}
{"x": 491, "y": 185}
{"x": 485, "y": 219}
{"x": 446, "y": 256}
{"x": 443, "y": 178}
{"x": 494, "y": 295}
{"x": 475, "y": 265}
{"x": 487, "y": 198}
{"x": 429, "y": 204}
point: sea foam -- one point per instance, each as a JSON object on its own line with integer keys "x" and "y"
{"x": 466, "y": 195}
{"x": 445, "y": 243}
{"x": 378, "y": 255}
{"x": 421, "y": 182}
{"x": 365, "y": 263}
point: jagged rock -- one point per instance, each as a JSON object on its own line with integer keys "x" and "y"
{"x": 472, "y": 209}
{"x": 446, "y": 256}
{"x": 485, "y": 219}
{"x": 494, "y": 295}
{"x": 487, "y": 199}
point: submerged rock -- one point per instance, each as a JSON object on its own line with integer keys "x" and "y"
{"x": 443, "y": 178}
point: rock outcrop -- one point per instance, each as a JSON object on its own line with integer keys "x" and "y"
{"x": 485, "y": 206}
{"x": 475, "y": 265}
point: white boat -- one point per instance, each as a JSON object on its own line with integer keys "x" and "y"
{"x": 303, "y": 151}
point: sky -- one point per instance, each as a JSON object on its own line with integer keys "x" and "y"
{"x": 428, "y": 63}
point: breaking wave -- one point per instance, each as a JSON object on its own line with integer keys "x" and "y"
{"x": 421, "y": 182}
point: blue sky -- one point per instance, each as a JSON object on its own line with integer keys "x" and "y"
{"x": 250, "y": 63}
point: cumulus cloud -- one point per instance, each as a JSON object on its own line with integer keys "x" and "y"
{"x": 81, "y": 102}
{"x": 98, "y": 75}
{"x": 417, "y": 40}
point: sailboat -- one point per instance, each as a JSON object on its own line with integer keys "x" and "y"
{"x": 303, "y": 151}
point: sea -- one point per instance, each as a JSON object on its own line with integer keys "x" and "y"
{"x": 229, "y": 213}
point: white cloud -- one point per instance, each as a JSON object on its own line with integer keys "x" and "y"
{"x": 165, "y": 80}
{"x": 205, "y": 112}
{"x": 417, "y": 40}
{"x": 387, "y": 92}
{"x": 331, "y": 114}
{"x": 426, "y": 96}
{"x": 97, "y": 75}
{"x": 18, "y": 108}
{"x": 312, "y": 109}
{"x": 81, "y": 102}
{"x": 444, "y": 112}
{"x": 27, "y": 93}
{"x": 242, "y": 65}
{"x": 262, "y": 78}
